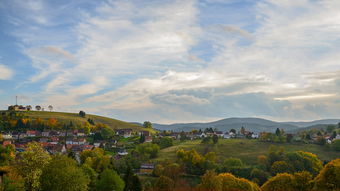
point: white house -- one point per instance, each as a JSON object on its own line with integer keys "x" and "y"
{"x": 7, "y": 136}
{"x": 219, "y": 133}
{"x": 226, "y": 135}
{"x": 255, "y": 136}
{"x": 337, "y": 137}
{"x": 122, "y": 153}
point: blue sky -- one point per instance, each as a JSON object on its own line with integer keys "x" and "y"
{"x": 173, "y": 61}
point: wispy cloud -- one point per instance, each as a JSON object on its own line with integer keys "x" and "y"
{"x": 158, "y": 60}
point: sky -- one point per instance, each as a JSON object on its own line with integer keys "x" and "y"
{"x": 171, "y": 61}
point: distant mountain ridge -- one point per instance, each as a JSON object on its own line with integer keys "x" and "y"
{"x": 250, "y": 124}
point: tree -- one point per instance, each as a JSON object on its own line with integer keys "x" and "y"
{"x": 110, "y": 180}
{"x": 336, "y": 145}
{"x": 30, "y": 165}
{"x": 131, "y": 180}
{"x": 147, "y": 124}
{"x": 280, "y": 167}
{"x": 279, "y": 182}
{"x": 87, "y": 128}
{"x": 278, "y": 132}
{"x": 304, "y": 161}
{"x": 183, "y": 136}
{"x": 259, "y": 176}
{"x": 142, "y": 138}
{"x": 209, "y": 181}
{"x": 11, "y": 180}
{"x": 50, "y": 107}
{"x": 233, "y": 131}
{"x": 38, "y": 107}
{"x": 165, "y": 142}
{"x": 62, "y": 173}
{"x": 215, "y": 139}
{"x": 228, "y": 181}
{"x": 29, "y": 108}
{"x": 232, "y": 162}
{"x": 290, "y": 182}
{"x": 148, "y": 150}
{"x": 333, "y": 134}
{"x": 164, "y": 183}
{"x": 82, "y": 113}
{"x": 329, "y": 177}
{"x": 52, "y": 122}
{"x": 330, "y": 128}
{"x": 107, "y": 132}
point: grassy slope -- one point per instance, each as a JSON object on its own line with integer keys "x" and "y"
{"x": 75, "y": 118}
{"x": 245, "y": 149}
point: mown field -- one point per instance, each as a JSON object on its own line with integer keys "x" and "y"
{"x": 75, "y": 118}
{"x": 245, "y": 149}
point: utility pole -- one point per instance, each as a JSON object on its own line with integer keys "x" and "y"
{"x": 16, "y": 100}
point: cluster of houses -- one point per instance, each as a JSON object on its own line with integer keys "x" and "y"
{"x": 220, "y": 134}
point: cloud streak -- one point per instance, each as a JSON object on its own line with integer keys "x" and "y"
{"x": 161, "y": 61}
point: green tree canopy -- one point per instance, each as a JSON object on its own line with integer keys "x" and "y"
{"x": 289, "y": 182}
{"x": 63, "y": 174}
{"x": 109, "y": 180}
{"x": 148, "y": 150}
{"x": 30, "y": 165}
{"x": 329, "y": 177}
{"x": 147, "y": 124}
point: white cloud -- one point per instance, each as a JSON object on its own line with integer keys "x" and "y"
{"x": 5, "y": 72}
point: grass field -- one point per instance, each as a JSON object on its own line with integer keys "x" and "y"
{"x": 75, "y": 118}
{"x": 245, "y": 149}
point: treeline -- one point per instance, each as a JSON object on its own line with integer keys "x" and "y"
{"x": 34, "y": 169}
{"x": 278, "y": 170}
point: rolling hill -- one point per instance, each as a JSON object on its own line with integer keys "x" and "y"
{"x": 75, "y": 118}
{"x": 245, "y": 149}
{"x": 251, "y": 124}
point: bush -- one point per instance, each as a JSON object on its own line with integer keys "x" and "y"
{"x": 149, "y": 150}
{"x": 336, "y": 145}
{"x": 280, "y": 167}
{"x": 288, "y": 182}
{"x": 329, "y": 177}
{"x": 165, "y": 142}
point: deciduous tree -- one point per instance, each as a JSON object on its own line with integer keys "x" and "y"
{"x": 63, "y": 174}
{"x": 30, "y": 165}
{"x": 109, "y": 180}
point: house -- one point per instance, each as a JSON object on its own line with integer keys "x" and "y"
{"x": 69, "y": 141}
{"x": 219, "y": 133}
{"x": 45, "y": 134}
{"x": 6, "y": 143}
{"x": 226, "y": 135}
{"x": 99, "y": 144}
{"x": 54, "y": 149}
{"x": 145, "y": 133}
{"x": 80, "y": 133}
{"x": 146, "y": 168}
{"x": 7, "y": 136}
{"x": 43, "y": 140}
{"x": 54, "y": 140}
{"x": 122, "y": 152}
{"x": 54, "y": 133}
{"x": 18, "y": 108}
{"x": 70, "y": 133}
{"x": 148, "y": 139}
{"x": 81, "y": 141}
{"x": 255, "y": 135}
{"x": 125, "y": 132}
{"x": 31, "y": 133}
{"x": 337, "y": 137}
